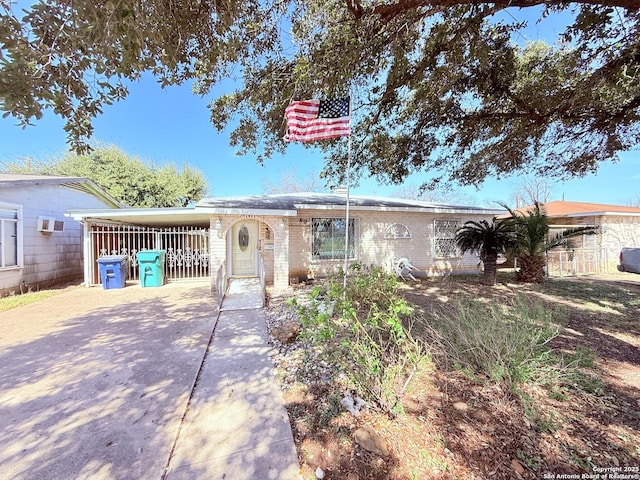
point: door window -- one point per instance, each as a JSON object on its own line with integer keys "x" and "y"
{"x": 243, "y": 238}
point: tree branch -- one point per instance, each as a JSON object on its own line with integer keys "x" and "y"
{"x": 624, "y": 110}
{"x": 355, "y": 8}
{"x": 390, "y": 10}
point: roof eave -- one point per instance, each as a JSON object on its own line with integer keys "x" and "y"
{"x": 81, "y": 214}
{"x": 416, "y": 209}
{"x": 248, "y": 211}
{"x": 42, "y": 181}
{"x": 102, "y": 194}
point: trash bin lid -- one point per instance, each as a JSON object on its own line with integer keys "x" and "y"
{"x": 112, "y": 259}
{"x": 150, "y": 255}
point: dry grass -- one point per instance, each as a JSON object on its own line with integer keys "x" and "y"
{"x": 459, "y": 426}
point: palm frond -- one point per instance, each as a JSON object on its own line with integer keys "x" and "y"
{"x": 565, "y": 238}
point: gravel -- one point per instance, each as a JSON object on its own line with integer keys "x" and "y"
{"x": 299, "y": 361}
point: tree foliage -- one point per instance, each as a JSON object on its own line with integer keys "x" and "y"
{"x": 444, "y": 86}
{"x": 128, "y": 179}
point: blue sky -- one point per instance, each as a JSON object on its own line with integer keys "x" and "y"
{"x": 172, "y": 126}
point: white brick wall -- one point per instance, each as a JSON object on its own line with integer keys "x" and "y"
{"x": 276, "y": 259}
{"x": 373, "y": 248}
{"x": 290, "y": 257}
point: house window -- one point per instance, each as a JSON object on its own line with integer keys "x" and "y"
{"x": 10, "y": 246}
{"x": 397, "y": 230}
{"x": 328, "y": 236}
{"x": 444, "y": 239}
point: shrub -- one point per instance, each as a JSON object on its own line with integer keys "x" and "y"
{"x": 507, "y": 343}
{"x": 365, "y": 331}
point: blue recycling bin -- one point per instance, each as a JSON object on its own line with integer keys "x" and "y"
{"x": 151, "y": 263}
{"x": 113, "y": 271}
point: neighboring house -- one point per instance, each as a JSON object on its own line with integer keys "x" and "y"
{"x": 38, "y": 245}
{"x": 618, "y": 227}
{"x": 288, "y": 237}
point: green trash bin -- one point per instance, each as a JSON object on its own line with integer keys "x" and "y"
{"x": 151, "y": 264}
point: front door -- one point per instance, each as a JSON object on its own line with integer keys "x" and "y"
{"x": 244, "y": 248}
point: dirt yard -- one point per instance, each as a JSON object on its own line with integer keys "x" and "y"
{"x": 456, "y": 427}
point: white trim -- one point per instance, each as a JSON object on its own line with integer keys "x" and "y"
{"x": 127, "y": 212}
{"x": 87, "y": 252}
{"x": 19, "y": 235}
{"x": 453, "y": 210}
{"x": 247, "y": 211}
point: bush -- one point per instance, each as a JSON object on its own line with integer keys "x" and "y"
{"x": 364, "y": 330}
{"x": 506, "y": 343}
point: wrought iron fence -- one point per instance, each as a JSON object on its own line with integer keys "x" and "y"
{"x": 187, "y": 249}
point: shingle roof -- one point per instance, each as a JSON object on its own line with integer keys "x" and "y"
{"x": 295, "y": 201}
{"x": 558, "y": 208}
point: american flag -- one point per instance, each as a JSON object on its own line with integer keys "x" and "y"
{"x": 311, "y": 120}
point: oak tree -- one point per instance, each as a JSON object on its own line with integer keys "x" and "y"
{"x": 444, "y": 86}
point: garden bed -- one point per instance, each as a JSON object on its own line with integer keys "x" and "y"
{"x": 455, "y": 425}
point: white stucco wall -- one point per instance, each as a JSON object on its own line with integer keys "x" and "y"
{"x": 47, "y": 257}
{"x": 618, "y": 232}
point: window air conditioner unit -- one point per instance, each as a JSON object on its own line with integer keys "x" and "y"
{"x": 49, "y": 224}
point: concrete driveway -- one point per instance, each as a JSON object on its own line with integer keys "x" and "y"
{"x": 96, "y": 384}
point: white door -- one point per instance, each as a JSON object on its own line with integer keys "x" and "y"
{"x": 243, "y": 248}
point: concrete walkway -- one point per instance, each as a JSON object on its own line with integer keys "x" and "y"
{"x": 236, "y": 426}
{"x": 99, "y": 384}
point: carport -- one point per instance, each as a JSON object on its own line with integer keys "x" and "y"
{"x": 215, "y": 242}
{"x": 182, "y": 232}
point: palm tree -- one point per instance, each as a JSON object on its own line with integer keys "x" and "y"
{"x": 532, "y": 241}
{"x": 489, "y": 240}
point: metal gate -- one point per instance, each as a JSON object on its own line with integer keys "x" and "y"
{"x": 583, "y": 261}
{"x": 187, "y": 249}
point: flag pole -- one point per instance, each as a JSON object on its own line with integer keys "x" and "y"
{"x": 346, "y": 237}
{"x": 306, "y": 123}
